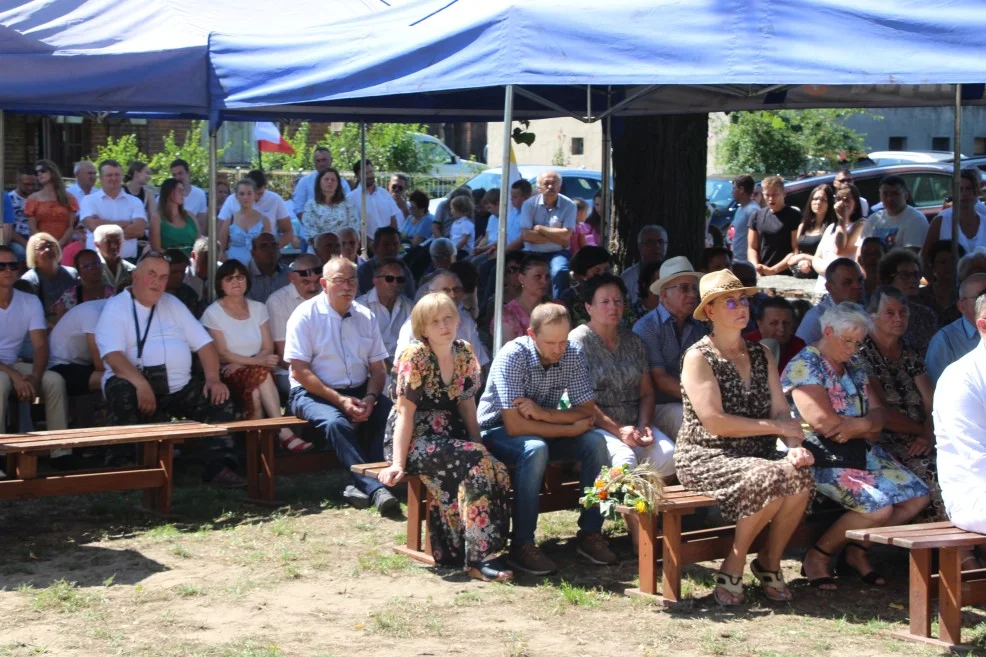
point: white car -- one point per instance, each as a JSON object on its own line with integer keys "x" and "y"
{"x": 445, "y": 162}
{"x": 576, "y": 183}
{"x": 885, "y": 158}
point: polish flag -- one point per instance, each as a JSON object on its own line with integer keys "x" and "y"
{"x": 269, "y": 139}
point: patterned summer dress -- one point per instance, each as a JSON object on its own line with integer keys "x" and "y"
{"x": 469, "y": 488}
{"x": 743, "y": 474}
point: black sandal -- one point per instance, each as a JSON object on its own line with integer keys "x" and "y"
{"x": 492, "y": 570}
{"x": 819, "y": 581}
{"x": 843, "y": 567}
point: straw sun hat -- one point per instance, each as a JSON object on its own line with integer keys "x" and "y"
{"x": 714, "y": 285}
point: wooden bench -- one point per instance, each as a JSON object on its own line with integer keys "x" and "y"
{"x": 261, "y": 440}
{"x": 954, "y": 589}
{"x": 153, "y": 474}
{"x": 561, "y": 490}
{"x": 662, "y": 540}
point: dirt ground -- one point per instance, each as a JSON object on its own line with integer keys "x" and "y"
{"x": 92, "y": 576}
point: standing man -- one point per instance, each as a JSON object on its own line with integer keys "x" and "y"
{"x": 337, "y": 359}
{"x": 117, "y": 272}
{"x": 960, "y": 337}
{"x": 305, "y": 189}
{"x": 897, "y": 224}
{"x": 386, "y": 244}
{"x": 27, "y": 182}
{"x": 381, "y": 211}
{"x": 652, "y": 245}
{"x": 843, "y": 282}
{"x": 668, "y": 331}
{"x": 771, "y": 235}
{"x": 196, "y": 202}
{"x": 85, "y": 180}
{"x": 267, "y": 274}
{"x": 112, "y": 205}
{"x": 303, "y": 276}
{"x": 843, "y": 179}
{"x": 268, "y": 203}
{"x": 398, "y": 192}
{"x": 522, "y": 426}
{"x": 390, "y": 308}
{"x": 547, "y": 223}
{"x": 743, "y": 195}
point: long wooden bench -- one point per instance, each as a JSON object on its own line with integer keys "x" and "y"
{"x": 153, "y": 474}
{"x": 262, "y": 464}
{"x": 953, "y": 587}
{"x": 561, "y": 490}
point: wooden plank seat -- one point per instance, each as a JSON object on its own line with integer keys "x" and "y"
{"x": 262, "y": 461}
{"x": 560, "y": 491}
{"x": 953, "y": 587}
{"x": 153, "y": 474}
{"x": 663, "y": 541}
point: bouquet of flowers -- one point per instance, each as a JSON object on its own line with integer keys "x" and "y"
{"x": 639, "y": 488}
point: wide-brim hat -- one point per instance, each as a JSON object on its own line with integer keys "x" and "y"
{"x": 671, "y": 269}
{"x": 715, "y": 284}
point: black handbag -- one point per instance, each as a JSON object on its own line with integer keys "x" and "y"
{"x": 830, "y": 454}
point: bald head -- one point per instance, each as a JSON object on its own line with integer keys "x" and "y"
{"x": 970, "y": 290}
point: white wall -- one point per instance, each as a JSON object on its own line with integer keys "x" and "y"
{"x": 550, "y": 134}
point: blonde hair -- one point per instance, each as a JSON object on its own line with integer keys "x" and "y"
{"x": 428, "y": 308}
{"x": 463, "y": 205}
{"x": 774, "y": 182}
{"x": 548, "y": 313}
{"x": 32, "y": 243}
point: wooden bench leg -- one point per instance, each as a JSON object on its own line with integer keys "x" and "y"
{"x": 671, "y": 557}
{"x": 647, "y": 559}
{"x": 416, "y": 497}
{"x": 26, "y": 466}
{"x": 151, "y": 459}
{"x": 949, "y": 596}
{"x": 919, "y": 606}
{"x": 267, "y": 470}
{"x": 252, "y": 446}
{"x": 166, "y": 452}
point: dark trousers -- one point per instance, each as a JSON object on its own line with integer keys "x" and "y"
{"x": 341, "y": 434}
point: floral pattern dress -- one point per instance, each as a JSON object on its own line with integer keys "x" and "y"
{"x": 743, "y": 474}
{"x": 922, "y": 324}
{"x": 318, "y": 218}
{"x": 470, "y": 513}
{"x": 901, "y": 393}
{"x": 884, "y": 481}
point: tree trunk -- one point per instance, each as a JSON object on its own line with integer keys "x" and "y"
{"x": 659, "y": 169}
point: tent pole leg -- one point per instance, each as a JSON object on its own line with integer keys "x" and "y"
{"x": 501, "y": 245}
{"x": 3, "y": 141}
{"x": 362, "y": 183}
{"x": 956, "y": 180}
{"x": 607, "y": 213}
{"x": 213, "y": 210}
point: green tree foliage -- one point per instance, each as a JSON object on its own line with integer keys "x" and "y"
{"x": 390, "y": 146}
{"x": 787, "y": 142}
{"x": 193, "y": 150}
{"x": 124, "y": 150}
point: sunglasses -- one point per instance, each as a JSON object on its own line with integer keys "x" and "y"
{"x": 91, "y": 265}
{"x": 41, "y": 170}
{"x": 392, "y": 279}
{"x": 234, "y": 278}
{"x": 397, "y": 188}
{"x": 304, "y": 273}
{"x": 9, "y": 266}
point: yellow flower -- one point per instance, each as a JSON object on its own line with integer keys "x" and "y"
{"x": 600, "y": 483}
{"x": 641, "y": 506}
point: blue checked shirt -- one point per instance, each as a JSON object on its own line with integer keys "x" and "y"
{"x": 517, "y": 373}
{"x": 659, "y": 331}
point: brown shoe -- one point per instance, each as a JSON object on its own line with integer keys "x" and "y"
{"x": 530, "y": 559}
{"x": 595, "y": 548}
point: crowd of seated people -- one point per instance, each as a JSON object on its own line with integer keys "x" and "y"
{"x": 697, "y": 371}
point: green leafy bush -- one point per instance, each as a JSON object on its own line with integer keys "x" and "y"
{"x": 193, "y": 150}
{"x": 124, "y": 150}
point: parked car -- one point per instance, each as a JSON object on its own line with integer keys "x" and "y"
{"x": 886, "y": 158}
{"x": 719, "y": 194}
{"x": 446, "y": 163}
{"x": 576, "y": 183}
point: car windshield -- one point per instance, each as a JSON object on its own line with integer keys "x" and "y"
{"x": 485, "y": 180}
{"x": 719, "y": 191}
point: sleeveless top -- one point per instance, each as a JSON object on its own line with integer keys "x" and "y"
{"x": 139, "y": 194}
{"x": 240, "y": 242}
{"x": 809, "y": 243}
{"x": 183, "y": 238}
{"x": 968, "y": 243}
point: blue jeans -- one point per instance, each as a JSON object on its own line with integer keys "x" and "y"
{"x": 341, "y": 434}
{"x": 529, "y": 455}
{"x": 558, "y": 263}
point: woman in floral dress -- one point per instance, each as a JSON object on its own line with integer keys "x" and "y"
{"x": 433, "y": 433}
{"x": 329, "y": 211}
{"x": 830, "y": 391}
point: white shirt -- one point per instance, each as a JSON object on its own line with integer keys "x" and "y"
{"x": 120, "y": 210}
{"x": 196, "y": 202}
{"x": 631, "y": 278}
{"x": 25, "y": 313}
{"x": 173, "y": 335}
{"x": 388, "y": 321}
{"x": 380, "y": 207}
{"x": 280, "y": 304}
{"x": 741, "y": 226}
{"x": 467, "y": 332}
{"x": 463, "y": 226}
{"x": 908, "y": 229}
{"x": 339, "y": 348}
{"x": 271, "y": 205}
{"x": 305, "y": 190}
{"x": 243, "y": 336}
{"x": 77, "y": 192}
{"x": 960, "y": 415}
{"x": 968, "y": 243}
{"x": 68, "y": 342}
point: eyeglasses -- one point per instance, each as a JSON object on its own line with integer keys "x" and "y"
{"x": 304, "y": 273}
{"x": 9, "y": 266}
{"x": 343, "y": 281}
{"x": 234, "y": 278}
{"x": 908, "y": 275}
{"x": 392, "y": 279}
{"x": 733, "y": 304}
{"x": 852, "y": 344}
{"x": 684, "y": 288}
{"x": 397, "y": 188}
{"x": 155, "y": 254}
{"x": 89, "y": 266}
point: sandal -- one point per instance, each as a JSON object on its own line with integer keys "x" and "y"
{"x": 772, "y": 582}
{"x": 731, "y": 585}
{"x": 295, "y": 445}
{"x": 227, "y": 478}
{"x": 873, "y": 578}
{"x": 492, "y": 570}
{"x": 819, "y": 582}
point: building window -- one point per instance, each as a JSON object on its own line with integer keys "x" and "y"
{"x": 941, "y": 144}
{"x": 578, "y": 146}
{"x": 979, "y": 146}
{"x": 897, "y": 144}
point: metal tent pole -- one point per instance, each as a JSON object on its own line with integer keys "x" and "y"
{"x": 501, "y": 244}
{"x": 213, "y": 210}
{"x": 362, "y": 183}
{"x": 3, "y": 233}
{"x": 956, "y": 180}
{"x": 607, "y": 227}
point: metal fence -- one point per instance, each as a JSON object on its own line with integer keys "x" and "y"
{"x": 282, "y": 182}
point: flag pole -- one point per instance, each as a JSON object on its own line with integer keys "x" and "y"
{"x": 501, "y": 244}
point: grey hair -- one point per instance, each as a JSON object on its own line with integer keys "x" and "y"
{"x": 981, "y": 306}
{"x": 845, "y": 316}
{"x": 647, "y": 230}
{"x": 106, "y": 230}
{"x": 425, "y": 285}
{"x": 881, "y": 293}
{"x": 972, "y": 262}
{"x": 441, "y": 241}
{"x": 337, "y": 263}
{"x": 544, "y": 173}
{"x": 348, "y": 230}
